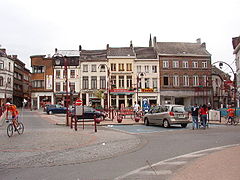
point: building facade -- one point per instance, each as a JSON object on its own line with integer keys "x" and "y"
{"x": 236, "y": 52}
{"x": 42, "y": 81}
{"x": 185, "y": 72}
{"x": 6, "y": 77}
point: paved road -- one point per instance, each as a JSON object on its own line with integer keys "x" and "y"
{"x": 52, "y": 152}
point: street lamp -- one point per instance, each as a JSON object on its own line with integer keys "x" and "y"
{"x": 221, "y": 63}
{"x": 58, "y": 58}
{"x": 102, "y": 66}
{"x": 141, "y": 74}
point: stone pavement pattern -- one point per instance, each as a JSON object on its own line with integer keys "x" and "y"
{"x": 60, "y": 145}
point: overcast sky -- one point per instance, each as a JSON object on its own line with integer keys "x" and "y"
{"x": 33, "y": 27}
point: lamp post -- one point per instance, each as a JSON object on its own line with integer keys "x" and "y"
{"x": 58, "y": 58}
{"x": 234, "y": 80}
{"x": 138, "y": 79}
{"x": 102, "y": 66}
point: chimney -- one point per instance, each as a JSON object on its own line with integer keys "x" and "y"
{"x": 3, "y": 50}
{"x": 203, "y": 45}
{"x": 131, "y": 45}
{"x": 14, "y": 56}
{"x": 150, "y": 41}
{"x": 56, "y": 50}
{"x": 80, "y": 48}
{"x": 154, "y": 41}
{"x": 199, "y": 40}
{"x": 107, "y": 46}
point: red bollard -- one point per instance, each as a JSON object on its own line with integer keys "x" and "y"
{"x": 75, "y": 117}
{"x": 95, "y": 124}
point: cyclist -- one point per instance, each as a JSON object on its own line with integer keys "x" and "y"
{"x": 231, "y": 113}
{"x": 13, "y": 109}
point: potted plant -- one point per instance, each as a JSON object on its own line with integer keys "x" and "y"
{"x": 119, "y": 119}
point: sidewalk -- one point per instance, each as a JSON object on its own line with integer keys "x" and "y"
{"x": 221, "y": 165}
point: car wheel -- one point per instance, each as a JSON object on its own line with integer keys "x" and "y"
{"x": 166, "y": 123}
{"x": 184, "y": 125}
{"x": 146, "y": 121}
{"x": 50, "y": 112}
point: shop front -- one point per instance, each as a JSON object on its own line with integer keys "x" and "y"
{"x": 61, "y": 98}
{"x": 121, "y": 98}
{"x": 39, "y": 99}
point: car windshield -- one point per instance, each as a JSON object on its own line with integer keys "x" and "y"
{"x": 178, "y": 109}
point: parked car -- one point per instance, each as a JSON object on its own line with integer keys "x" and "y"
{"x": 167, "y": 115}
{"x": 45, "y": 107}
{"x": 56, "y": 109}
{"x": 89, "y": 113}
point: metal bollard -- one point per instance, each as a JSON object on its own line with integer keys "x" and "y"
{"x": 95, "y": 124}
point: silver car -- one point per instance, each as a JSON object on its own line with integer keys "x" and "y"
{"x": 167, "y": 115}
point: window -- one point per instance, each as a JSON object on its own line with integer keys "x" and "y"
{"x": 185, "y": 80}
{"x": 38, "y": 69}
{"x": 165, "y": 64}
{"x": 72, "y": 73}
{"x": 195, "y": 80}
{"x": 121, "y": 67}
{"x": 38, "y": 84}
{"x": 195, "y": 64}
{"x": 175, "y": 80}
{"x": 102, "y": 82}
{"x": 139, "y": 69}
{"x": 129, "y": 67}
{"x": 147, "y": 84}
{"x": 129, "y": 81}
{"x": 165, "y": 81}
{"x": 85, "y": 68}
{"x": 1, "y": 65}
{"x": 85, "y": 82}
{"x": 204, "y": 64}
{"x": 154, "y": 81}
{"x": 72, "y": 86}
{"x": 102, "y": 68}
{"x": 9, "y": 66}
{"x": 113, "y": 67}
{"x": 1, "y": 81}
{"x": 185, "y": 64}
{"x": 121, "y": 81}
{"x": 94, "y": 82}
{"x": 205, "y": 80}
{"x": 58, "y": 86}
{"x": 94, "y": 68}
{"x": 154, "y": 69}
{"x": 64, "y": 86}
{"x": 175, "y": 64}
{"x": 146, "y": 69}
{"x": 58, "y": 74}
{"x": 113, "y": 82}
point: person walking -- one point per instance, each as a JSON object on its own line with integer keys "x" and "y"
{"x": 231, "y": 113}
{"x": 136, "y": 108}
{"x": 194, "y": 112}
{"x": 203, "y": 114}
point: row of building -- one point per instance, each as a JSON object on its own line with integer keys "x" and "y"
{"x": 163, "y": 72}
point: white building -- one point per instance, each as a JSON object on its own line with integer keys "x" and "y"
{"x": 6, "y": 77}
{"x": 236, "y": 47}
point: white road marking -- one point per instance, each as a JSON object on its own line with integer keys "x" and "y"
{"x": 174, "y": 158}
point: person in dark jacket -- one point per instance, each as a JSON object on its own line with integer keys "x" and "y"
{"x": 194, "y": 112}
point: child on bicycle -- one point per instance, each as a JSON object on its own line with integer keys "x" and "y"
{"x": 13, "y": 109}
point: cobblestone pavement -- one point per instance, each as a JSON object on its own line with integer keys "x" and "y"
{"x": 60, "y": 145}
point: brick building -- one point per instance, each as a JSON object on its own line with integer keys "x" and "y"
{"x": 42, "y": 81}
{"x": 185, "y": 72}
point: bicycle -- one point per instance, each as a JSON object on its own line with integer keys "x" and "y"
{"x": 232, "y": 121}
{"x": 11, "y": 127}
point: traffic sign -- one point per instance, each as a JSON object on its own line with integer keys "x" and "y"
{"x": 78, "y": 102}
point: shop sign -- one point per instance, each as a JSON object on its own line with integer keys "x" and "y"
{"x": 120, "y": 90}
{"x": 147, "y": 90}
